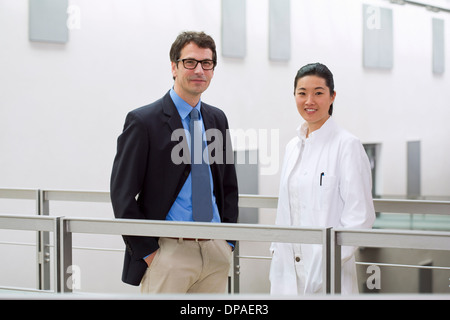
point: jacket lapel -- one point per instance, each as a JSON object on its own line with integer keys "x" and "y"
{"x": 173, "y": 120}
{"x": 170, "y": 111}
{"x": 208, "y": 121}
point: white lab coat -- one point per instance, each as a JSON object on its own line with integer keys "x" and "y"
{"x": 343, "y": 200}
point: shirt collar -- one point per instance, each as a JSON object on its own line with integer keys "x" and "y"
{"x": 183, "y": 108}
{"x": 303, "y": 129}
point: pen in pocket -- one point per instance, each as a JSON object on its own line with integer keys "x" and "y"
{"x": 321, "y": 176}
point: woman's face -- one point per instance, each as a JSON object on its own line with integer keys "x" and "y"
{"x": 313, "y": 100}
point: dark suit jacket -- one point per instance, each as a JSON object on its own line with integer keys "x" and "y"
{"x": 143, "y": 167}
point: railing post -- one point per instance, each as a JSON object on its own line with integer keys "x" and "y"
{"x": 326, "y": 261}
{"x": 42, "y": 245}
{"x": 64, "y": 249}
{"x": 335, "y": 261}
{"x": 236, "y": 268}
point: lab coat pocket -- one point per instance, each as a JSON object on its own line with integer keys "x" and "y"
{"x": 327, "y": 192}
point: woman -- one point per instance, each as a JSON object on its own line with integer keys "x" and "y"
{"x": 325, "y": 182}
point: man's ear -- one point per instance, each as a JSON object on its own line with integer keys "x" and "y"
{"x": 174, "y": 69}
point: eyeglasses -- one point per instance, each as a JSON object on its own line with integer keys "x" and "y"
{"x": 191, "y": 64}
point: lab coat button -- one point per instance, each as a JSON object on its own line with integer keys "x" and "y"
{"x": 297, "y": 259}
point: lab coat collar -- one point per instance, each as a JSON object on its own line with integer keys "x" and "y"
{"x": 326, "y": 128}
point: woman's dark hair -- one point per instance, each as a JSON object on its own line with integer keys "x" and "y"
{"x": 320, "y": 70}
{"x": 201, "y": 39}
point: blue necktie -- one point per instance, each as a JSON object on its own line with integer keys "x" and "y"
{"x": 201, "y": 188}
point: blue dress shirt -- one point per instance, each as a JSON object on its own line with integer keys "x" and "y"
{"x": 181, "y": 209}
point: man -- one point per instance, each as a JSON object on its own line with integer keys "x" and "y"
{"x": 148, "y": 183}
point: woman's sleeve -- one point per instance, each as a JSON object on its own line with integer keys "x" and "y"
{"x": 356, "y": 190}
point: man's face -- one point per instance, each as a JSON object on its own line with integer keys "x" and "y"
{"x": 190, "y": 84}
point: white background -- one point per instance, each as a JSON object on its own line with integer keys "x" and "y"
{"x": 62, "y": 106}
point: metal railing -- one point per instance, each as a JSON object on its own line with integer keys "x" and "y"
{"x": 331, "y": 239}
{"x": 42, "y": 225}
{"x": 411, "y": 239}
{"x": 238, "y": 232}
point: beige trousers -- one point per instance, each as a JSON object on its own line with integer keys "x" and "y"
{"x": 188, "y": 266}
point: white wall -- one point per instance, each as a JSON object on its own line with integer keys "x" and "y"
{"x": 63, "y": 106}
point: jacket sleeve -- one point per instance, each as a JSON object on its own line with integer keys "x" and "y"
{"x": 127, "y": 178}
{"x": 230, "y": 184}
{"x": 356, "y": 190}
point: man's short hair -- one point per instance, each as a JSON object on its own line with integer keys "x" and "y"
{"x": 201, "y": 39}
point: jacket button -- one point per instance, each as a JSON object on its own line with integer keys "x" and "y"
{"x": 297, "y": 259}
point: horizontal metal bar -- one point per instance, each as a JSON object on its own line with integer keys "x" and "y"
{"x": 412, "y": 206}
{"x": 430, "y": 7}
{"x": 262, "y": 201}
{"x": 401, "y": 265}
{"x": 98, "y": 249}
{"x": 393, "y": 239}
{"x": 84, "y": 196}
{"x": 245, "y": 200}
{"x": 254, "y": 257}
{"x": 364, "y": 263}
{"x": 22, "y": 289}
{"x": 257, "y": 201}
{"x": 250, "y": 232}
{"x": 29, "y": 244}
{"x": 18, "y": 194}
{"x": 34, "y": 223}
